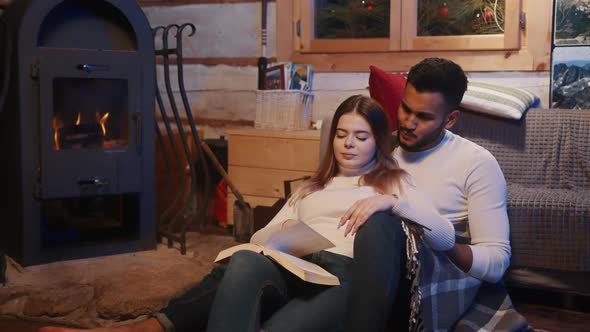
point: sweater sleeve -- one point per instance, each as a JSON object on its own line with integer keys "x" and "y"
{"x": 286, "y": 212}
{"x": 412, "y": 205}
{"x": 488, "y": 219}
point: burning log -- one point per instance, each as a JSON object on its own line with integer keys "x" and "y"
{"x": 85, "y": 135}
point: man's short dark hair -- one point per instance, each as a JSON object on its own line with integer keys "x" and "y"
{"x": 439, "y": 75}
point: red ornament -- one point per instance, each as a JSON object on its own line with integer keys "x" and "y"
{"x": 488, "y": 15}
{"x": 370, "y": 5}
{"x": 443, "y": 11}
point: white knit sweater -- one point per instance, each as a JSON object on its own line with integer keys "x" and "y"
{"x": 464, "y": 182}
{"x": 322, "y": 210}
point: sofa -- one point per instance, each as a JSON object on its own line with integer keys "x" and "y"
{"x": 545, "y": 158}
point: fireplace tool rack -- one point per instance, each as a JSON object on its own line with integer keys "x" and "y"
{"x": 173, "y": 222}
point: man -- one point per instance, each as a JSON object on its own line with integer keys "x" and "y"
{"x": 466, "y": 185}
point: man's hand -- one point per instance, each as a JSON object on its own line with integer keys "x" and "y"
{"x": 462, "y": 256}
{"x": 361, "y": 210}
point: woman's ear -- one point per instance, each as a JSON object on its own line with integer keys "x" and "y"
{"x": 452, "y": 118}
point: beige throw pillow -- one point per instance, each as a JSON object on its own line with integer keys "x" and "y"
{"x": 498, "y": 100}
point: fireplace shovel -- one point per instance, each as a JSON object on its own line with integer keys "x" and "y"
{"x": 243, "y": 214}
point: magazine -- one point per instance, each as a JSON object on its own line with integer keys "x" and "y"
{"x": 286, "y": 246}
{"x": 301, "y": 77}
{"x": 274, "y": 78}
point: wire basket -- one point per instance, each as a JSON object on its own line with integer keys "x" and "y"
{"x": 283, "y": 109}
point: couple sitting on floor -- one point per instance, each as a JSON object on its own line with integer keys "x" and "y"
{"x": 392, "y": 213}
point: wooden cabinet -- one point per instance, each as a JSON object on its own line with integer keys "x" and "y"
{"x": 260, "y": 160}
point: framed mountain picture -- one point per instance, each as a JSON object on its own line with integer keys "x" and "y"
{"x": 570, "y": 77}
{"x": 572, "y": 22}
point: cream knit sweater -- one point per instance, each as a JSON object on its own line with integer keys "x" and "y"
{"x": 322, "y": 210}
{"x": 465, "y": 183}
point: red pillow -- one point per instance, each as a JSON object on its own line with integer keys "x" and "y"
{"x": 388, "y": 90}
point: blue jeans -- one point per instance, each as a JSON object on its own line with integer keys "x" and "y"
{"x": 379, "y": 298}
{"x": 190, "y": 311}
{"x": 256, "y": 293}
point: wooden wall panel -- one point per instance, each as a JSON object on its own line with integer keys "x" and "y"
{"x": 223, "y": 30}
{"x": 147, "y": 3}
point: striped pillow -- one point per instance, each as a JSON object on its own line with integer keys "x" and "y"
{"x": 498, "y": 100}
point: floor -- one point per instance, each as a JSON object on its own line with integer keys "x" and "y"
{"x": 541, "y": 317}
{"x": 553, "y": 319}
{"x": 544, "y": 317}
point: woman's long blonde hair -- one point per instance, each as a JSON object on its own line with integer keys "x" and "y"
{"x": 384, "y": 176}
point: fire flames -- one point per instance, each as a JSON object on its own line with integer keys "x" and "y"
{"x": 102, "y": 121}
{"x": 58, "y": 125}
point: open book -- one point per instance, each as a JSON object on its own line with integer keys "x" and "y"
{"x": 285, "y": 246}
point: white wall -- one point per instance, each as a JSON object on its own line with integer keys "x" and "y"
{"x": 226, "y": 95}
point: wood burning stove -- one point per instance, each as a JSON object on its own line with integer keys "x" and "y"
{"x": 77, "y": 130}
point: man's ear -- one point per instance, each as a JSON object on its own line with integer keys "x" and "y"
{"x": 452, "y": 118}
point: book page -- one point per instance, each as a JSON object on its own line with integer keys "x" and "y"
{"x": 298, "y": 240}
{"x": 305, "y": 270}
{"x": 230, "y": 251}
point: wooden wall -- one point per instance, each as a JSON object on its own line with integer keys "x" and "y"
{"x": 220, "y": 71}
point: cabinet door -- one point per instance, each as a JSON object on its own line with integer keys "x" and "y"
{"x": 436, "y": 25}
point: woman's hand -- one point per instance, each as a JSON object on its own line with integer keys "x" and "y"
{"x": 289, "y": 223}
{"x": 361, "y": 210}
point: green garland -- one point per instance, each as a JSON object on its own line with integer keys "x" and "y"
{"x": 460, "y": 17}
{"x": 370, "y": 18}
{"x": 352, "y": 19}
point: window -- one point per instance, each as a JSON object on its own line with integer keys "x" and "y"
{"x": 461, "y": 25}
{"x": 350, "y": 35}
{"x": 349, "y": 25}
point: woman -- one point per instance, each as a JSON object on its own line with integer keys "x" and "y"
{"x": 257, "y": 294}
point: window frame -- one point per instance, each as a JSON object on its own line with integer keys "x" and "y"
{"x": 509, "y": 40}
{"x": 310, "y": 45}
{"x": 533, "y": 53}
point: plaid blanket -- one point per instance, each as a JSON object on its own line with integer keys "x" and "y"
{"x": 451, "y": 300}
{"x": 492, "y": 310}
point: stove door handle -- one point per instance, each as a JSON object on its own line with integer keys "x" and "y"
{"x": 96, "y": 182}
{"x": 89, "y": 68}
{"x": 6, "y": 64}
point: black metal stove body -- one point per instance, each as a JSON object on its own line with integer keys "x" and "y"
{"x": 77, "y": 130}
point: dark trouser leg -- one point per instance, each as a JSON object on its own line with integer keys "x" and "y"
{"x": 190, "y": 311}
{"x": 315, "y": 308}
{"x": 379, "y": 255}
{"x": 251, "y": 285}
